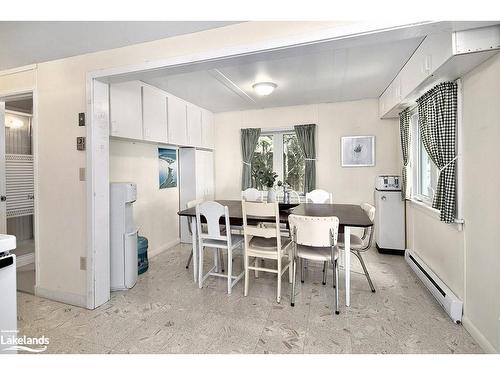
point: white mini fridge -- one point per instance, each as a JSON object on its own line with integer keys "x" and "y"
{"x": 390, "y": 216}
{"x": 123, "y": 235}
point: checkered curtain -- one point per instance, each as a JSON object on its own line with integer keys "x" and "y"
{"x": 404, "y": 130}
{"x": 437, "y": 118}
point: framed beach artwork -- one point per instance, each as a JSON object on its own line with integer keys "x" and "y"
{"x": 167, "y": 160}
{"x": 358, "y": 151}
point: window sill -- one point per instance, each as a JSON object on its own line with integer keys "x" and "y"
{"x": 432, "y": 212}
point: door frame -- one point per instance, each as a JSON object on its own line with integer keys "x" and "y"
{"x": 96, "y": 212}
{"x": 31, "y": 91}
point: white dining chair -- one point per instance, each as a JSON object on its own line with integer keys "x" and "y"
{"x": 315, "y": 239}
{"x": 263, "y": 242}
{"x": 191, "y": 204}
{"x": 319, "y": 196}
{"x": 252, "y": 195}
{"x": 213, "y": 237}
{"x": 364, "y": 243}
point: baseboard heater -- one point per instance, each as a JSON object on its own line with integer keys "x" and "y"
{"x": 446, "y": 298}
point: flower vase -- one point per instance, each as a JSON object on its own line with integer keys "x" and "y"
{"x": 271, "y": 195}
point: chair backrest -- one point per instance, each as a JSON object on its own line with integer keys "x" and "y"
{"x": 368, "y": 232}
{"x": 257, "y": 210}
{"x": 294, "y": 196}
{"x": 251, "y": 195}
{"x": 212, "y": 212}
{"x": 190, "y": 204}
{"x": 314, "y": 231}
{"x": 319, "y": 196}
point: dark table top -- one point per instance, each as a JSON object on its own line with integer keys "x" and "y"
{"x": 350, "y": 215}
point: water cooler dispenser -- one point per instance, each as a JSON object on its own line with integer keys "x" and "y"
{"x": 123, "y": 236}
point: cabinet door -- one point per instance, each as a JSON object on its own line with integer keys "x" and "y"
{"x": 209, "y": 175}
{"x": 200, "y": 175}
{"x": 194, "y": 125}
{"x": 126, "y": 110}
{"x": 154, "y": 114}
{"x": 207, "y": 129}
{"x": 177, "y": 131}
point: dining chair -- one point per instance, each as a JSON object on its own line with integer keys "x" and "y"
{"x": 315, "y": 239}
{"x": 263, "y": 242}
{"x": 191, "y": 204}
{"x": 319, "y": 196}
{"x": 213, "y": 237}
{"x": 252, "y": 195}
{"x": 364, "y": 243}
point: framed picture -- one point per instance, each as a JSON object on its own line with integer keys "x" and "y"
{"x": 358, "y": 151}
{"x": 167, "y": 160}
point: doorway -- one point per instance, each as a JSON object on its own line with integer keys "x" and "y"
{"x": 17, "y": 184}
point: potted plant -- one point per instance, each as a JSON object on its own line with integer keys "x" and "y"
{"x": 267, "y": 178}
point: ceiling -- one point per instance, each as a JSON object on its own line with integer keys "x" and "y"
{"x": 347, "y": 68}
{"x": 330, "y": 75}
{"x": 29, "y": 42}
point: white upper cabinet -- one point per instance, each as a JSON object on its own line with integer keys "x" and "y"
{"x": 194, "y": 125}
{"x": 143, "y": 112}
{"x": 154, "y": 114}
{"x": 126, "y": 110}
{"x": 207, "y": 129}
{"x": 177, "y": 127}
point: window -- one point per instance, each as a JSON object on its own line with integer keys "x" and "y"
{"x": 279, "y": 152}
{"x": 425, "y": 172}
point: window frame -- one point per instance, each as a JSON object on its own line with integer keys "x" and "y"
{"x": 415, "y": 160}
{"x": 278, "y": 148}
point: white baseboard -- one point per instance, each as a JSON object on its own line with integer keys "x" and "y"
{"x": 60, "y": 296}
{"x": 478, "y": 336}
{"x": 154, "y": 252}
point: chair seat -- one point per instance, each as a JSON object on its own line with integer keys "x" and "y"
{"x": 268, "y": 244}
{"x": 236, "y": 240}
{"x": 356, "y": 242}
{"x": 317, "y": 253}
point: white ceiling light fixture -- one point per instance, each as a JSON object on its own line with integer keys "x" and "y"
{"x": 264, "y": 88}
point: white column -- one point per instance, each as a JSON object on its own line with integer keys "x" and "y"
{"x": 195, "y": 248}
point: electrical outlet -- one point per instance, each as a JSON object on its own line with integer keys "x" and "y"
{"x": 81, "y": 119}
{"x": 83, "y": 263}
{"x": 82, "y": 174}
{"x": 80, "y": 143}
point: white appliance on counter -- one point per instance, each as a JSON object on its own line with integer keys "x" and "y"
{"x": 390, "y": 215}
{"x": 123, "y": 235}
{"x": 8, "y": 297}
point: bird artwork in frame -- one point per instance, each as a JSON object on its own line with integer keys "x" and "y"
{"x": 358, "y": 151}
{"x": 167, "y": 160}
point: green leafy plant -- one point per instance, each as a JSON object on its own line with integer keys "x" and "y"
{"x": 267, "y": 177}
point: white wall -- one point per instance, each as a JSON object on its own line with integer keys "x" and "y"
{"x": 469, "y": 261}
{"x": 440, "y": 245}
{"x": 349, "y": 185}
{"x": 481, "y": 116}
{"x": 155, "y": 211}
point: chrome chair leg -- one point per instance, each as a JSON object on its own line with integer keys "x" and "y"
{"x": 325, "y": 271}
{"x": 365, "y": 270}
{"x": 335, "y": 278}
{"x": 294, "y": 274}
{"x": 221, "y": 255}
{"x": 302, "y": 272}
{"x": 189, "y": 259}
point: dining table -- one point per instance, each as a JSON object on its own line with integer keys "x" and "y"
{"x": 349, "y": 215}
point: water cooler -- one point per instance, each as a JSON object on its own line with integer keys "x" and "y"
{"x": 123, "y": 236}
